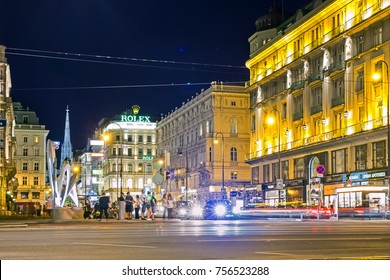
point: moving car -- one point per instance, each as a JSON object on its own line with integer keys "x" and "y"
{"x": 219, "y": 209}
{"x": 312, "y": 212}
{"x": 187, "y": 210}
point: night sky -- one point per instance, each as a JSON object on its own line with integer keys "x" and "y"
{"x": 102, "y": 56}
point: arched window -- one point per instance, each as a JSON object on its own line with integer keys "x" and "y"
{"x": 149, "y": 168}
{"x": 130, "y": 167}
{"x": 233, "y": 154}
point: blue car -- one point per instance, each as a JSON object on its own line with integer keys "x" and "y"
{"x": 219, "y": 209}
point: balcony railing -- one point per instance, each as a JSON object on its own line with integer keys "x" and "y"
{"x": 297, "y": 116}
{"x": 323, "y": 137}
{"x": 337, "y": 101}
{"x": 297, "y": 85}
{"x": 316, "y": 109}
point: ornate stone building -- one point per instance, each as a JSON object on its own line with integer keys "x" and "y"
{"x": 314, "y": 76}
{"x": 195, "y": 166}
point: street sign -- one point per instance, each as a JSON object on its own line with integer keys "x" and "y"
{"x": 320, "y": 169}
{"x": 279, "y": 183}
{"x": 3, "y": 122}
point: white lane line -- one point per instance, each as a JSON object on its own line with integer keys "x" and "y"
{"x": 288, "y": 239}
{"x": 114, "y": 245}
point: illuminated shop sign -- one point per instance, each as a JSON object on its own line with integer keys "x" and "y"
{"x": 147, "y": 157}
{"x": 132, "y": 118}
{"x": 366, "y": 175}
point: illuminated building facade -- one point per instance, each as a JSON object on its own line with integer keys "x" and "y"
{"x": 316, "y": 73}
{"x": 30, "y": 160}
{"x": 186, "y": 138}
{"x": 7, "y": 137}
{"x": 129, "y": 152}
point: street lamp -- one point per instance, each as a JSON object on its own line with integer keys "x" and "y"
{"x": 377, "y": 76}
{"x": 186, "y": 170}
{"x": 144, "y": 171}
{"x": 121, "y": 205}
{"x": 223, "y": 160}
{"x": 271, "y": 121}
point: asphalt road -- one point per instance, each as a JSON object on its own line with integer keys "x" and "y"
{"x": 197, "y": 240}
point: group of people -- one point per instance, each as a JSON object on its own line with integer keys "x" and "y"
{"x": 146, "y": 204}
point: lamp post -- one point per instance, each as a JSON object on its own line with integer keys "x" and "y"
{"x": 271, "y": 120}
{"x": 121, "y": 205}
{"x": 186, "y": 170}
{"x": 377, "y": 76}
{"x": 223, "y": 160}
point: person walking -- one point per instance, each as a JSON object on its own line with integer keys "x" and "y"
{"x": 129, "y": 206}
{"x": 151, "y": 205}
{"x": 143, "y": 205}
{"x": 164, "y": 202}
{"x": 137, "y": 206}
{"x": 170, "y": 205}
{"x": 104, "y": 202}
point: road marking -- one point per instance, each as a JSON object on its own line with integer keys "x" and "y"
{"x": 114, "y": 245}
{"x": 289, "y": 239}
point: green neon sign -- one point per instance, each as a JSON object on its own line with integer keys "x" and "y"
{"x": 132, "y": 118}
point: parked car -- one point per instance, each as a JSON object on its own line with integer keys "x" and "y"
{"x": 312, "y": 212}
{"x": 219, "y": 209}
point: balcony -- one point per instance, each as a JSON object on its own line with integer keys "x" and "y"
{"x": 315, "y": 109}
{"x": 297, "y": 85}
{"x": 297, "y": 116}
{"x": 336, "y": 67}
{"x": 315, "y": 77}
{"x": 337, "y": 101}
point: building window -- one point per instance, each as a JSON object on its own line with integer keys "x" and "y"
{"x": 129, "y": 152}
{"x": 24, "y": 180}
{"x": 25, "y": 139}
{"x": 25, "y": 119}
{"x": 233, "y": 175}
{"x": 35, "y": 195}
{"x": 253, "y": 123}
{"x": 35, "y": 181}
{"x": 255, "y": 175}
{"x": 233, "y": 103}
{"x": 25, "y": 152}
{"x": 24, "y": 195}
{"x": 36, "y": 152}
{"x": 361, "y": 157}
{"x": 140, "y": 152}
{"x": 24, "y": 166}
{"x": 266, "y": 173}
{"x": 284, "y": 111}
{"x": 339, "y": 161}
{"x": 149, "y": 168}
{"x": 378, "y": 35}
{"x": 149, "y": 138}
{"x": 285, "y": 170}
{"x": 299, "y": 168}
{"x": 140, "y": 138}
{"x": 275, "y": 171}
{"x": 360, "y": 81}
{"x": 117, "y": 138}
{"x": 360, "y": 44}
{"x": 233, "y": 126}
{"x": 379, "y": 154}
{"x": 113, "y": 167}
{"x": 36, "y": 166}
{"x": 233, "y": 154}
{"x": 129, "y": 167}
{"x": 149, "y": 152}
{"x": 210, "y": 154}
{"x": 129, "y": 138}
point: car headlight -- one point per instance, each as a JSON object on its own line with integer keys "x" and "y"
{"x": 220, "y": 210}
{"x": 236, "y": 210}
{"x": 197, "y": 211}
{"x": 182, "y": 211}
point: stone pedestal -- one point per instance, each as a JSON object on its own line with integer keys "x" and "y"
{"x": 67, "y": 213}
{"x": 122, "y": 208}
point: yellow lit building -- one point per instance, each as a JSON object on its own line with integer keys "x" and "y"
{"x": 313, "y": 75}
{"x": 200, "y": 167}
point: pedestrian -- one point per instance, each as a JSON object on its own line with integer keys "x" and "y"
{"x": 143, "y": 205}
{"x": 170, "y": 205}
{"x": 87, "y": 208}
{"x": 137, "y": 205}
{"x": 129, "y": 205}
{"x": 151, "y": 205}
{"x": 164, "y": 201}
{"x": 104, "y": 203}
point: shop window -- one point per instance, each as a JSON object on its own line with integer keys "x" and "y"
{"x": 24, "y": 195}
{"x": 35, "y": 195}
{"x": 233, "y": 175}
{"x": 266, "y": 173}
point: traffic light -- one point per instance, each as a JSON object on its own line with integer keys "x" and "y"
{"x": 167, "y": 175}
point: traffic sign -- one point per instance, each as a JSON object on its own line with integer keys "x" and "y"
{"x": 279, "y": 183}
{"x": 320, "y": 169}
{"x": 3, "y": 122}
